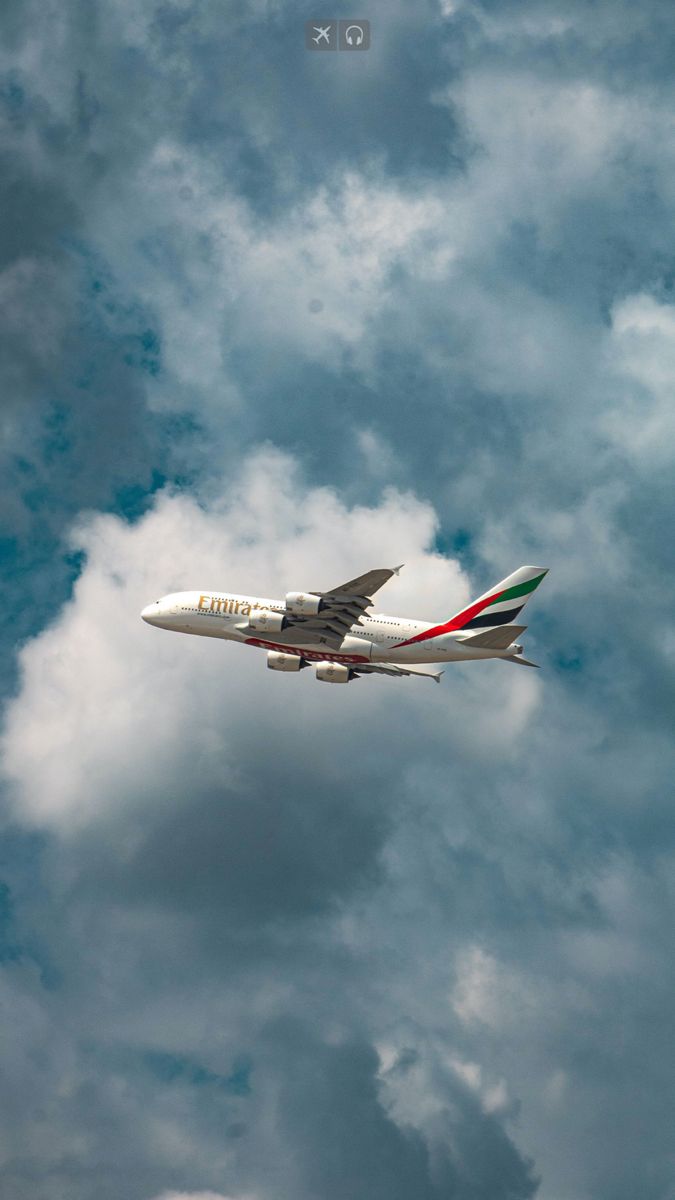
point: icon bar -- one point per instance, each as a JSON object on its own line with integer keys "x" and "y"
{"x": 337, "y": 35}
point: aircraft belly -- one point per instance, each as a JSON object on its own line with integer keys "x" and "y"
{"x": 434, "y": 651}
{"x": 419, "y": 653}
{"x": 352, "y": 649}
{"x": 349, "y": 648}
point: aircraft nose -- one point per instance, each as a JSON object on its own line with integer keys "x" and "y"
{"x": 148, "y": 613}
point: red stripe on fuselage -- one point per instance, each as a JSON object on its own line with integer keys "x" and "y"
{"x": 456, "y": 623}
{"x": 312, "y": 655}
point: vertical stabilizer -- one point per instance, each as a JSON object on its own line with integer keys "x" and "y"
{"x": 503, "y": 603}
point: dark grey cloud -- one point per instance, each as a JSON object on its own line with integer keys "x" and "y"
{"x": 254, "y": 853}
{"x": 330, "y": 1096}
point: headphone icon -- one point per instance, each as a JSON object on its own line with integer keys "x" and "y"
{"x": 350, "y": 39}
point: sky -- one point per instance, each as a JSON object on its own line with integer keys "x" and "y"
{"x": 271, "y": 319}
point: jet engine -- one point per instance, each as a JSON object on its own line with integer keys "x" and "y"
{"x": 332, "y": 672}
{"x": 277, "y": 661}
{"x": 266, "y": 621}
{"x": 303, "y": 605}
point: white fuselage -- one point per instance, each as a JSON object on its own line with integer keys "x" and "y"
{"x": 378, "y": 638}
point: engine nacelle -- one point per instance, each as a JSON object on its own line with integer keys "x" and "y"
{"x": 263, "y": 620}
{"x": 332, "y": 672}
{"x": 301, "y": 604}
{"x": 277, "y": 661}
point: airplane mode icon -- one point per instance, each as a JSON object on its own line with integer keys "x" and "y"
{"x": 321, "y": 35}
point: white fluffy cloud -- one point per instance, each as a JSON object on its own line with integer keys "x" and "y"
{"x": 310, "y": 281}
{"x": 102, "y": 693}
{"x": 641, "y": 357}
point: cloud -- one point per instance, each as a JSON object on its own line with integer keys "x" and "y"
{"x": 641, "y": 350}
{"x": 199, "y": 1196}
{"x": 268, "y": 531}
{"x": 233, "y": 860}
{"x": 221, "y": 886}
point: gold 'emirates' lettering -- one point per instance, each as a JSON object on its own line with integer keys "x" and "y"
{"x": 221, "y": 604}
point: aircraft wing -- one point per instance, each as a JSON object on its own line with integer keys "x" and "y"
{"x": 394, "y": 669}
{"x": 343, "y": 606}
{"x": 365, "y": 586}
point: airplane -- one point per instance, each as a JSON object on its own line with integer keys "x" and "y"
{"x": 332, "y": 632}
{"x": 322, "y": 32}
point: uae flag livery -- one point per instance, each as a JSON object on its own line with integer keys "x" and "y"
{"x": 500, "y": 606}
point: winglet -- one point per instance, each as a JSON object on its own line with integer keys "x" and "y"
{"x": 398, "y": 568}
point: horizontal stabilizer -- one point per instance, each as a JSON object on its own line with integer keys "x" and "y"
{"x": 522, "y": 662}
{"x": 498, "y": 638}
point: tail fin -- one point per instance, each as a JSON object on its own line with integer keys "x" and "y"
{"x": 502, "y": 604}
